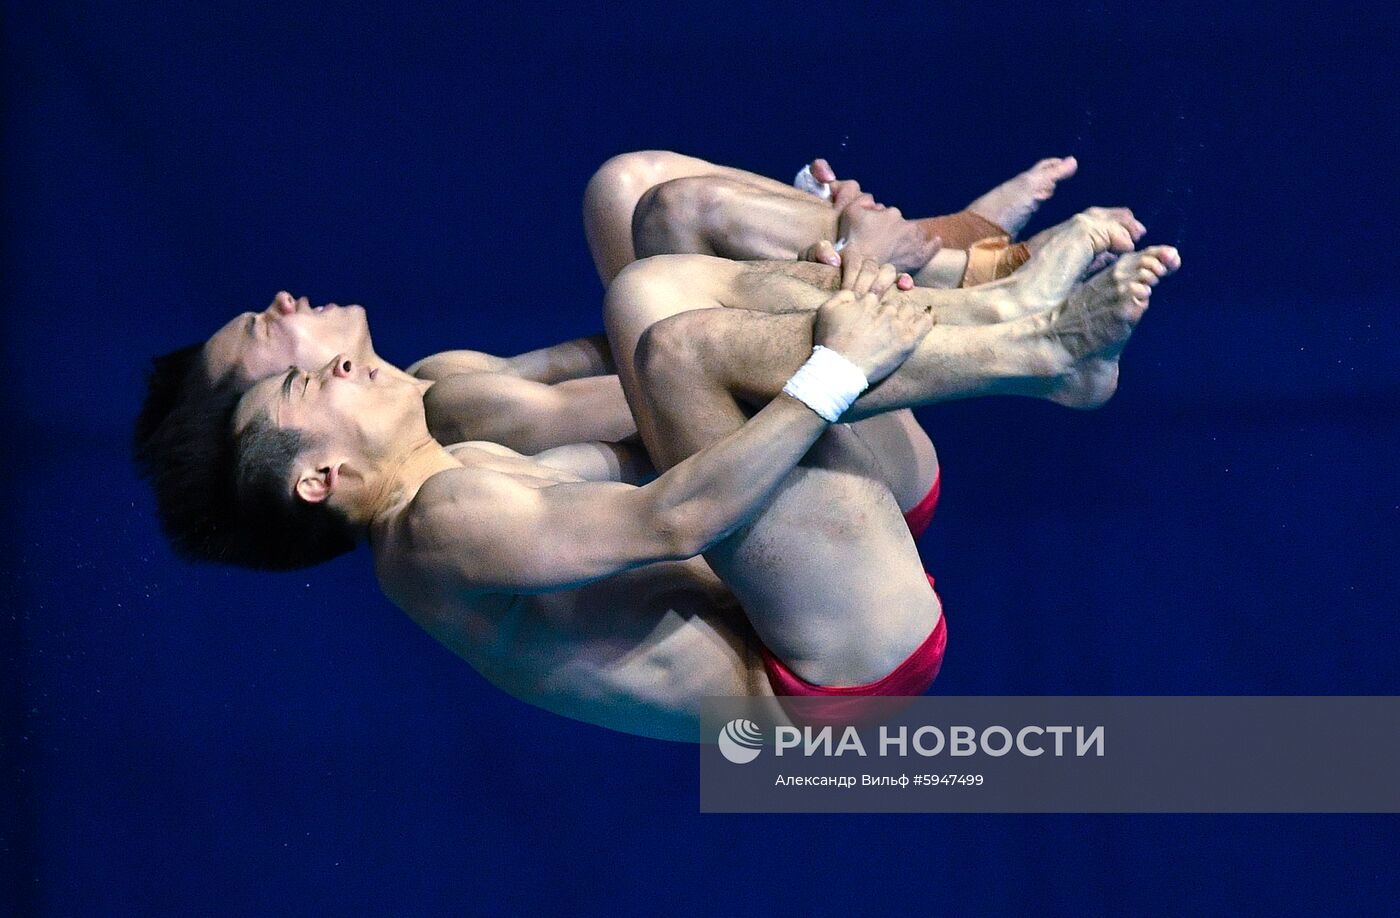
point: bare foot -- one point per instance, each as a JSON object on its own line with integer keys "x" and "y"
{"x": 1063, "y": 255}
{"x": 1090, "y": 329}
{"x": 1011, "y": 204}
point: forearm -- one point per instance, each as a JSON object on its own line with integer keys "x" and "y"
{"x": 576, "y": 359}
{"x": 527, "y": 416}
{"x": 573, "y": 533}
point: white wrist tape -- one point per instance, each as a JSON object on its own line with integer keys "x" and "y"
{"x": 827, "y": 383}
{"x": 807, "y": 182}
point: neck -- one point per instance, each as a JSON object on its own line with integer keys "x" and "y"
{"x": 387, "y": 367}
{"x": 404, "y": 475}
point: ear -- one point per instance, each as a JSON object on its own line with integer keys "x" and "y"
{"x": 316, "y": 485}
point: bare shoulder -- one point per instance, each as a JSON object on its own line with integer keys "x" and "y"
{"x": 485, "y": 387}
{"x": 460, "y": 505}
{"x": 466, "y": 448}
{"x": 450, "y": 363}
{"x": 488, "y": 406}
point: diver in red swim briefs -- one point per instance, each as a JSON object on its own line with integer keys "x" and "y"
{"x": 636, "y": 651}
{"x": 575, "y": 596}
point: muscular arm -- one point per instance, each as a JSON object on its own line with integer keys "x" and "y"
{"x": 527, "y": 416}
{"x": 626, "y": 462}
{"x": 576, "y": 359}
{"x": 499, "y": 535}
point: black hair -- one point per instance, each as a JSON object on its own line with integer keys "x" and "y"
{"x": 212, "y": 503}
{"x": 284, "y": 532}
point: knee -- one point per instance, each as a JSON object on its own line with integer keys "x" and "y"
{"x": 671, "y": 351}
{"x": 673, "y": 212}
{"x": 629, "y": 174}
{"x": 651, "y": 289}
{"x": 641, "y": 294}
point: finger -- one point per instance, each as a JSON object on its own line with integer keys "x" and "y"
{"x": 823, "y": 253}
{"x": 866, "y": 201}
{"x": 822, "y": 171}
{"x": 904, "y": 282}
{"x": 838, "y": 299}
{"x": 884, "y": 280}
{"x": 865, "y": 277}
{"x": 844, "y": 191}
{"x": 850, "y": 269}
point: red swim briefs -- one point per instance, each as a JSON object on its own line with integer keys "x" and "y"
{"x": 913, "y": 676}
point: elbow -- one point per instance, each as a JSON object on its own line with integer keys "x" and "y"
{"x": 682, "y": 532}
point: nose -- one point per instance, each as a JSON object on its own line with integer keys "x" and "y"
{"x": 283, "y": 304}
{"x": 341, "y": 366}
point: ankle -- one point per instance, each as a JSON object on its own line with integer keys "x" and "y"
{"x": 1036, "y": 351}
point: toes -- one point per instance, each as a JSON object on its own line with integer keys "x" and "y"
{"x": 1125, "y": 216}
{"x": 1140, "y": 292}
{"x": 1153, "y": 265}
{"x": 1056, "y": 168}
{"x": 1166, "y": 256}
{"x": 1134, "y": 225}
{"x": 1120, "y": 239}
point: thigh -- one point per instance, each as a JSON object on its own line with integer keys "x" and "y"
{"x": 828, "y": 574}
{"x": 900, "y": 454}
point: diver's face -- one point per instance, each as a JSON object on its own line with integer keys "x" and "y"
{"x": 353, "y": 407}
{"x": 290, "y": 332}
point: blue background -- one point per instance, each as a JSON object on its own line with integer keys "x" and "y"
{"x": 193, "y": 740}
